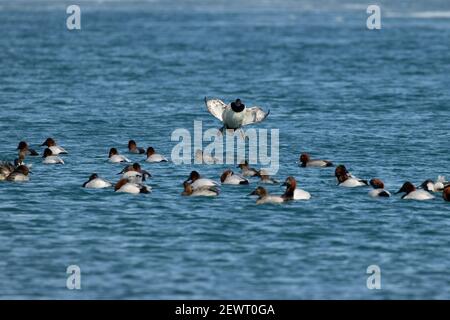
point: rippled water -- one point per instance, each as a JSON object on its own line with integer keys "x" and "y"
{"x": 377, "y": 101}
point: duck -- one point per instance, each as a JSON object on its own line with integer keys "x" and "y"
{"x": 292, "y": 193}
{"x": 266, "y": 179}
{"x": 135, "y": 173}
{"x": 247, "y": 171}
{"x": 235, "y": 115}
{"x": 95, "y": 182}
{"x": 435, "y": 186}
{"x": 229, "y": 177}
{"x": 378, "y": 189}
{"x": 346, "y": 179}
{"x": 411, "y": 193}
{"x": 197, "y": 182}
{"x": 446, "y": 193}
{"x": 51, "y": 144}
{"x": 19, "y": 174}
{"x": 133, "y": 148}
{"x": 201, "y": 158}
{"x": 124, "y": 185}
{"x": 306, "y": 161}
{"x": 6, "y": 168}
{"x": 265, "y": 197}
{"x": 50, "y": 158}
{"x": 23, "y": 148}
{"x": 154, "y": 157}
{"x": 115, "y": 157}
{"x": 205, "y": 191}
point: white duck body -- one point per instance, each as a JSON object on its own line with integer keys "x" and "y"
{"x": 203, "y": 183}
{"x": 418, "y": 195}
{"x": 133, "y": 188}
{"x": 118, "y": 158}
{"x": 16, "y": 176}
{"x": 57, "y": 150}
{"x": 53, "y": 160}
{"x": 204, "y": 192}
{"x": 270, "y": 199}
{"x": 300, "y": 194}
{"x": 98, "y": 183}
{"x": 352, "y": 182}
{"x": 156, "y": 158}
{"x": 235, "y": 179}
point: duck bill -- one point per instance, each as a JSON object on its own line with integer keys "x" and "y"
{"x": 146, "y": 173}
{"x": 253, "y": 193}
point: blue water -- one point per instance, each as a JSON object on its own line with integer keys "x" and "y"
{"x": 377, "y": 101}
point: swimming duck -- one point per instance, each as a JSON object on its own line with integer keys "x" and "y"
{"x": 205, "y": 191}
{"x": 95, "y": 182}
{"x": 346, "y": 179}
{"x": 115, "y": 157}
{"x": 51, "y": 144}
{"x": 6, "y": 168}
{"x": 411, "y": 193}
{"x": 247, "y": 171}
{"x": 435, "y": 186}
{"x": 265, "y": 178}
{"x": 292, "y": 193}
{"x": 378, "y": 189}
{"x": 50, "y": 158}
{"x": 124, "y": 185}
{"x": 264, "y": 197}
{"x": 19, "y": 174}
{"x": 133, "y": 148}
{"x": 135, "y": 173}
{"x": 446, "y": 193}
{"x": 229, "y": 177}
{"x": 200, "y": 158}
{"x": 306, "y": 161}
{"x": 235, "y": 115}
{"x": 154, "y": 157}
{"x": 197, "y": 182}
{"x": 23, "y": 147}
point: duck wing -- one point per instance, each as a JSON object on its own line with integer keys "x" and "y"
{"x": 216, "y": 107}
{"x": 254, "y": 115}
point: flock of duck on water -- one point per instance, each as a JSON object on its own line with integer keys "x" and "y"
{"x": 233, "y": 116}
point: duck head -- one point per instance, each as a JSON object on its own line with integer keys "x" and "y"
{"x": 193, "y": 176}
{"x": 113, "y": 152}
{"x": 22, "y": 146}
{"x": 47, "y": 153}
{"x": 150, "y": 151}
{"x": 446, "y": 193}
{"x": 132, "y": 145}
{"x": 237, "y": 106}
{"x": 376, "y": 183}
{"x": 187, "y": 189}
{"x": 49, "y": 142}
{"x": 260, "y": 192}
{"x": 304, "y": 158}
{"x": 407, "y": 188}
{"x": 225, "y": 175}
